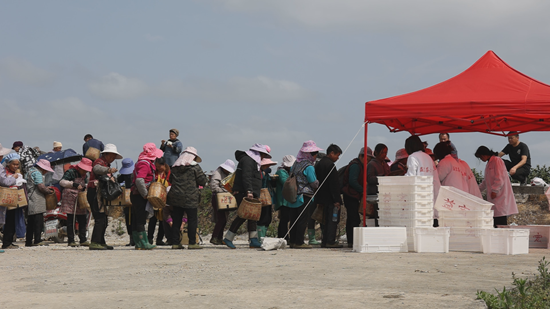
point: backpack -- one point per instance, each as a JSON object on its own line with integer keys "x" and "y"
{"x": 290, "y": 189}
{"x": 342, "y": 176}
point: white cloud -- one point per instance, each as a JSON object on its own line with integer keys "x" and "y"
{"x": 25, "y": 72}
{"x": 260, "y": 89}
{"x": 114, "y": 86}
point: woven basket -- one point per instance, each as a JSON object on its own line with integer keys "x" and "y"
{"x": 82, "y": 200}
{"x": 8, "y": 197}
{"x": 250, "y": 209}
{"x": 265, "y": 197}
{"x": 51, "y": 201}
{"x": 157, "y": 195}
{"x": 92, "y": 153}
{"x": 226, "y": 201}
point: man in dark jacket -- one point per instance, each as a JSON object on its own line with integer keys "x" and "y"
{"x": 328, "y": 195}
{"x": 248, "y": 183}
{"x": 90, "y": 141}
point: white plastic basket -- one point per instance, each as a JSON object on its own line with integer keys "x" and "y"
{"x": 453, "y": 199}
{"x": 465, "y": 239}
{"x": 427, "y": 205}
{"x": 472, "y": 214}
{"x": 409, "y": 223}
{"x": 539, "y": 235}
{"x": 399, "y": 196}
{"x": 379, "y": 239}
{"x": 466, "y": 222}
{"x": 404, "y": 180}
{"x": 505, "y": 241}
{"x": 403, "y": 214}
{"x": 432, "y": 239}
{"x": 408, "y": 189}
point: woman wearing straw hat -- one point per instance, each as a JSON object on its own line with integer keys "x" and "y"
{"x": 184, "y": 196}
{"x": 100, "y": 167}
{"x": 12, "y": 171}
{"x": 307, "y": 183}
{"x": 248, "y": 183}
{"x": 36, "y": 190}
{"x": 73, "y": 182}
{"x": 144, "y": 175}
{"x": 220, "y": 216}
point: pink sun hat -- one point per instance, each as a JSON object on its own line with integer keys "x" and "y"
{"x": 268, "y": 162}
{"x": 150, "y": 152}
{"x": 262, "y": 148}
{"x": 85, "y": 164}
{"x": 45, "y": 165}
{"x": 310, "y": 146}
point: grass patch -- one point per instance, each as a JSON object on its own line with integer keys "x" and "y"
{"x": 525, "y": 293}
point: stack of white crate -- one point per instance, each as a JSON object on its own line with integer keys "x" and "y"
{"x": 471, "y": 221}
{"x": 406, "y": 201}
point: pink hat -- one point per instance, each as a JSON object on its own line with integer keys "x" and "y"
{"x": 85, "y": 164}
{"x": 45, "y": 165}
{"x": 150, "y": 152}
{"x": 261, "y": 148}
{"x": 310, "y": 146}
{"x": 401, "y": 154}
{"x": 193, "y": 151}
{"x": 267, "y": 161}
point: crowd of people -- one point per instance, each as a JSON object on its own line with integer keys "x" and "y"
{"x": 320, "y": 188}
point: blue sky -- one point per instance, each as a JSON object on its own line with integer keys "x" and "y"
{"x": 229, "y": 74}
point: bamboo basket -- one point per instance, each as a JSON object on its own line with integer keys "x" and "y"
{"x": 92, "y": 153}
{"x": 250, "y": 209}
{"x": 157, "y": 195}
{"x": 82, "y": 200}
{"x": 8, "y": 197}
{"x": 265, "y": 197}
{"x": 51, "y": 201}
{"x": 226, "y": 201}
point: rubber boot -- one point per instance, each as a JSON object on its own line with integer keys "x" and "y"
{"x": 254, "y": 242}
{"x": 135, "y": 240}
{"x": 228, "y": 240}
{"x": 145, "y": 245}
{"x": 262, "y": 231}
{"x": 312, "y": 240}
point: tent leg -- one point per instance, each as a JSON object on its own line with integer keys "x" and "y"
{"x": 365, "y": 176}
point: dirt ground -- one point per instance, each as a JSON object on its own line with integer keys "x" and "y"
{"x": 217, "y": 277}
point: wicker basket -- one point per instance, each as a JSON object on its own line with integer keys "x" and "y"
{"x": 92, "y": 153}
{"x": 51, "y": 201}
{"x": 82, "y": 200}
{"x": 157, "y": 195}
{"x": 8, "y": 197}
{"x": 265, "y": 197}
{"x": 250, "y": 209}
{"x": 226, "y": 201}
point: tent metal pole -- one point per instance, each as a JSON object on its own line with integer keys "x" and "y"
{"x": 364, "y": 197}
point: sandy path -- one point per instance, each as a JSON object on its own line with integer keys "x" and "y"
{"x": 217, "y": 277}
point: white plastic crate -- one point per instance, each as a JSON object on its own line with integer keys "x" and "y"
{"x": 399, "y": 196}
{"x": 539, "y": 235}
{"x": 465, "y": 214}
{"x": 465, "y": 239}
{"x": 379, "y": 239}
{"x": 403, "y": 214}
{"x": 427, "y": 205}
{"x": 453, "y": 199}
{"x": 466, "y": 222}
{"x": 404, "y": 180}
{"x": 505, "y": 241}
{"x": 409, "y": 189}
{"x": 393, "y": 222}
{"x": 431, "y": 239}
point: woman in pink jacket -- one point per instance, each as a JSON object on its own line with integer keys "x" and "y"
{"x": 497, "y": 183}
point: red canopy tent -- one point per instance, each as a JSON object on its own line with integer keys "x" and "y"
{"x": 489, "y": 97}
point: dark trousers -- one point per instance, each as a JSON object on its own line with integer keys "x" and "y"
{"x": 298, "y": 222}
{"x": 192, "y": 222}
{"x": 9, "y": 229}
{"x": 127, "y": 217}
{"x": 151, "y": 229}
{"x": 100, "y": 218}
{"x": 353, "y": 219}
{"x": 139, "y": 214}
{"x": 238, "y": 221}
{"x": 500, "y": 221}
{"x": 284, "y": 219}
{"x": 35, "y": 225}
{"x": 329, "y": 227}
{"x": 521, "y": 173}
{"x": 220, "y": 217}
{"x": 266, "y": 217}
{"x": 71, "y": 222}
{"x": 311, "y": 222}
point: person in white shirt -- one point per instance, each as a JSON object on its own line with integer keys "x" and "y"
{"x": 499, "y": 188}
{"x": 450, "y": 171}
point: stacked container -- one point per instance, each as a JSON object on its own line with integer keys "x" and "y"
{"x": 406, "y": 201}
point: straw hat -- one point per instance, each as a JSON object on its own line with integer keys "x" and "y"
{"x": 193, "y": 151}
{"x": 127, "y": 166}
{"x": 44, "y": 164}
{"x": 310, "y": 146}
{"x": 57, "y": 144}
{"x": 4, "y": 151}
{"x": 268, "y": 162}
{"x": 111, "y": 148}
{"x": 401, "y": 154}
{"x": 228, "y": 165}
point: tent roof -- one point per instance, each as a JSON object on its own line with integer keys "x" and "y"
{"x": 489, "y": 97}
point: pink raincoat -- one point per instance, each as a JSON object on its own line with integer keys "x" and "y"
{"x": 497, "y": 180}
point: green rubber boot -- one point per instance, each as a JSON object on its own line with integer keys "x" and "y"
{"x": 144, "y": 242}
{"x": 135, "y": 238}
{"x": 262, "y": 231}
{"x": 312, "y": 240}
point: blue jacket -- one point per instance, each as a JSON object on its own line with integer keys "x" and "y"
{"x": 171, "y": 154}
{"x": 92, "y": 143}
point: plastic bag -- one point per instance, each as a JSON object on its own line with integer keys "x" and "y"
{"x": 270, "y": 243}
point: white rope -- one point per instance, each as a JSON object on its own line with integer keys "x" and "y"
{"x": 333, "y": 167}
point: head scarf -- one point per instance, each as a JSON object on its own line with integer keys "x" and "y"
{"x": 187, "y": 157}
